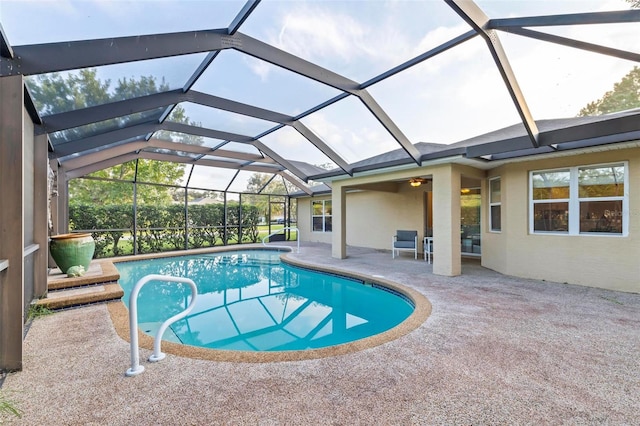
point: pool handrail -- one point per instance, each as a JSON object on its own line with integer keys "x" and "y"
{"x": 157, "y": 355}
{"x": 280, "y": 230}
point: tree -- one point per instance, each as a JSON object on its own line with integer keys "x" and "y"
{"x": 625, "y": 95}
{"x": 114, "y": 185}
{"x": 256, "y": 183}
{"x": 278, "y": 185}
{"x": 54, "y": 93}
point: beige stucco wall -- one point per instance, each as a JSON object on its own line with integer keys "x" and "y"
{"x": 599, "y": 261}
{"x": 374, "y": 215}
{"x": 304, "y": 222}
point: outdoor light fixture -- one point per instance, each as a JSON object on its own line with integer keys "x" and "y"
{"x": 415, "y": 182}
{"x": 465, "y": 190}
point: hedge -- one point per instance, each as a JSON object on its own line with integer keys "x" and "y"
{"x": 162, "y": 228}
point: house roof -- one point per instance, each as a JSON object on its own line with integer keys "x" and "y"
{"x": 512, "y": 141}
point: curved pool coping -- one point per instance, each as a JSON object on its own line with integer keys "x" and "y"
{"x": 120, "y": 318}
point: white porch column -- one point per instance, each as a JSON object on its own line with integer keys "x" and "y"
{"x": 339, "y": 218}
{"x": 446, "y": 221}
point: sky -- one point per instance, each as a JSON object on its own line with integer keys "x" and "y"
{"x": 454, "y": 96}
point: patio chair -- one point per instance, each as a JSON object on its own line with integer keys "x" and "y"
{"x": 404, "y": 241}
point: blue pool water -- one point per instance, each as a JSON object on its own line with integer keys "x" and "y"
{"x": 250, "y": 301}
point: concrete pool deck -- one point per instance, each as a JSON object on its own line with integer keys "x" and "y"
{"x": 495, "y": 350}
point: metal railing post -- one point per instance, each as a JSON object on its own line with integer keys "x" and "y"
{"x": 281, "y": 230}
{"x": 157, "y": 355}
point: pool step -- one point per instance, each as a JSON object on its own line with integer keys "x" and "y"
{"x": 98, "y": 285}
{"x": 79, "y": 296}
{"x": 239, "y": 260}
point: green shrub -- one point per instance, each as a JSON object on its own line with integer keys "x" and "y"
{"x": 204, "y": 221}
{"x": 162, "y": 228}
{"x": 108, "y": 221}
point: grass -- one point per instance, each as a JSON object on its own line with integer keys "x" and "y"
{"x": 8, "y": 408}
{"x": 37, "y": 311}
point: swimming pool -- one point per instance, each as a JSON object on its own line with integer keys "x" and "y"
{"x": 250, "y": 301}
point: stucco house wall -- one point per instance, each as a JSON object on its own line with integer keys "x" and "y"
{"x": 605, "y": 261}
{"x": 373, "y": 217}
{"x": 304, "y": 221}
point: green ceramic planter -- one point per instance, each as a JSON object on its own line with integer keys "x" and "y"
{"x": 72, "y": 250}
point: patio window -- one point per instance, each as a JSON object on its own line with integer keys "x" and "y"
{"x": 321, "y": 216}
{"x": 495, "y": 205}
{"x": 580, "y": 200}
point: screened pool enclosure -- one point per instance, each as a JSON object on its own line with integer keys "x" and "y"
{"x": 189, "y": 124}
{"x": 149, "y": 218}
{"x": 177, "y": 124}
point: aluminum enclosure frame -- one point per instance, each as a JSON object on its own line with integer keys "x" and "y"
{"x": 51, "y": 57}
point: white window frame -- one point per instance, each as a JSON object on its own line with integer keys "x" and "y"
{"x": 495, "y": 204}
{"x": 533, "y": 202}
{"x": 574, "y": 201}
{"x": 324, "y": 216}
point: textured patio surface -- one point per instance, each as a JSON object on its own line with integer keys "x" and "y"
{"x": 495, "y": 350}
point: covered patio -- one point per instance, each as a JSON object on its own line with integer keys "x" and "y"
{"x": 495, "y": 349}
